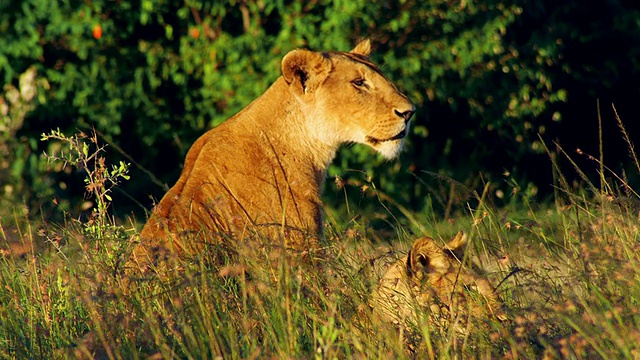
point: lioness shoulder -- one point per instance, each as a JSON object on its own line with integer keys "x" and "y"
{"x": 260, "y": 172}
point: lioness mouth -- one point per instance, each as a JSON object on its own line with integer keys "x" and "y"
{"x": 398, "y": 136}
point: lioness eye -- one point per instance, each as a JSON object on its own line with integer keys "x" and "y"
{"x": 358, "y": 82}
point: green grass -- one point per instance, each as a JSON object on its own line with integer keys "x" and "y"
{"x": 568, "y": 273}
{"x": 569, "y": 278}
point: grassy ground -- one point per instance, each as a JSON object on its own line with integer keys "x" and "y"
{"x": 568, "y": 274}
{"x": 569, "y": 278}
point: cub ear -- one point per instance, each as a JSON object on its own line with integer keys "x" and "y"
{"x": 305, "y": 70}
{"x": 425, "y": 256}
{"x": 458, "y": 244}
{"x": 417, "y": 261}
{"x": 363, "y": 48}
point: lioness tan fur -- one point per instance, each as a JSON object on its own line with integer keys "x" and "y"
{"x": 260, "y": 172}
{"x": 432, "y": 280}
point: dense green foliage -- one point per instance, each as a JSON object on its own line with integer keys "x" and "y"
{"x": 488, "y": 78}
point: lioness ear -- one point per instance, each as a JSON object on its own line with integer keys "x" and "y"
{"x": 363, "y": 48}
{"x": 305, "y": 70}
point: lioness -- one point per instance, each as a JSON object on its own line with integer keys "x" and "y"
{"x": 434, "y": 281}
{"x": 260, "y": 172}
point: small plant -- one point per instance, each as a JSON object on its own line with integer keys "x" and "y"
{"x": 85, "y": 153}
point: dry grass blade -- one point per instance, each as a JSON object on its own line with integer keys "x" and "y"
{"x": 625, "y": 135}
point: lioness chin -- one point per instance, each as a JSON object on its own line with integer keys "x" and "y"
{"x": 259, "y": 173}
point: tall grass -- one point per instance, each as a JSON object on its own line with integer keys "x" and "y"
{"x": 568, "y": 273}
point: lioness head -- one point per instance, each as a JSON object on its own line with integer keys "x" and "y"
{"x": 348, "y": 99}
{"x": 435, "y": 281}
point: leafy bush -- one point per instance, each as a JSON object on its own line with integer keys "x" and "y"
{"x": 19, "y": 166}
{"x": 151, "y": 76}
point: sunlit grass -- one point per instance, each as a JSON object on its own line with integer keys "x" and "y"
{"x": 568, "y": 277}
{"x": 568, "y": 273}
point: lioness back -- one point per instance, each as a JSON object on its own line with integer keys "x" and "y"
{"x": 259, "y": 173}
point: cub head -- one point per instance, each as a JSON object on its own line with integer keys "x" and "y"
{"x": 442, "y": 273}
{"x": 435, "y": 280}
{"x": 345, "y": 98}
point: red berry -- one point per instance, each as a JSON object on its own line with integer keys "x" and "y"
{"x": 97, "y": 31}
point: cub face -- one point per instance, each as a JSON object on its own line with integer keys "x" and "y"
{"x": 433, "y": 280}
{"x": 348, "y": 99}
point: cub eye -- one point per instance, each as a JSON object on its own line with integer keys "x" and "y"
{"x": 470, "y": 288}
{"x": 358, "y": 82}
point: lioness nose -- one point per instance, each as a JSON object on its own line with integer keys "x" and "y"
{"x": 406, "y": 115}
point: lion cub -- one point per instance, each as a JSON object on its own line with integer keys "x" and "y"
{"x": 433, "y": 281}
